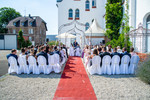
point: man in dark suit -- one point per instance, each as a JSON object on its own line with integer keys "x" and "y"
{"x": 75, "y": 44}
{"x": 13, "y": 54}
{"x": 105, "y": 52}
{"x": 43, "y": 53}
{"x": 115, "y": 53}
{"x": 56, "y": 51}
{"x": 125, "y": 52}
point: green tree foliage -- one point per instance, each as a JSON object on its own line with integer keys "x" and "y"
{"x": 6, "y": 15}
{"x": 123, "y": 39}
{"x": 113, "y": 17}
{"x": 22, "y": 42}
{"x": 54, "y": 43}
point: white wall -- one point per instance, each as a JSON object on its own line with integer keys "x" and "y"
{"x": 139, "y": 11}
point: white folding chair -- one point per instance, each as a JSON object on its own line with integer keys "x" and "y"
{"x": 62, "y": 52}
{"x": 95, "y": 68}
{"x": 133, "y": 64}
{"x": 78, "y": 52}
{"x": 115, "y": 68}
{"x": 124, "y": 67}
{"x": 23, "y": 64}
{"x": 33, "y": 65}
{"x": 51, "y": 61}
{"x": 56, "y": 67}
{"x": 106, "y": 69}
{"x": 13, "y": 66}
{"x": 42, "y": 64}
{"x": 71, "y": 51}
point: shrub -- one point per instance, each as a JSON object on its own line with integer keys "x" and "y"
{"x": 143, "y": 71}
{"x": 54, "y": 43}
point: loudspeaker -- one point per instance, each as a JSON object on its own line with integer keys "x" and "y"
{"x": 103, "y": 41}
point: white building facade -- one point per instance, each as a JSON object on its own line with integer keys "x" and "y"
{"x": 139, "y": 14}
{"x": 84, "y": 12}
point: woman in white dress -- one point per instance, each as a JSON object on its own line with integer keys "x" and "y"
{"x": 71, "y": 51}
{"x": 87, "y": 53}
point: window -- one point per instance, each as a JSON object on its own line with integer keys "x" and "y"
{"x": 14, "y": 31}
{"x": 14, "y": 23}
{"x": 93, "y": 3}
{"x": 70, "y": 14}
{"x": 30, "y": 23}
{"x": 87, "y": 26}
{"x": 22, "y": 23}
{"x": 30, "y": 31}
{"x": 30, "y": 38}
{"x": 77, "y": 14}
{"x": 87, "y": 5}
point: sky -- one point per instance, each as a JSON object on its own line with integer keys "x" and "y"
{"x": 46, "y": 9}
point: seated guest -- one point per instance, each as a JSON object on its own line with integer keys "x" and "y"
{"x": 125, "y": 52}
{"x": 32, "y": 52}
{"x": 23, "y": 53}
{"x": 105, "y": 52}
{"x": 47, "y": 49}
{"x": 13, "y": 54}
{"x": 115, "y": 53}
{"x": 119, "y": 50}
{"x": 100, "y": 51}
{"x": 132, "y": 52}
{"x": 64, "y": 46}
{"x": 27, "y": 50}
{"x": 56, "y": 50}
{"x": 109, "y": 50}
{"x": 43, "y": 53}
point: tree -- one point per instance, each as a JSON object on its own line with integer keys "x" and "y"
{"x": 6, "y": 15}
{"x": 123, "y": 39}
{"x": 21, "y": 39}
{"x": 113, "y": 17}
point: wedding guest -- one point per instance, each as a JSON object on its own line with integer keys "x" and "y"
{"x": 13, "y": 54}
{"x": 132, "y": 52}
{"x": 125, "y": 52}
{"x": 109, "y": 50}
{"x": 43, "y": 53}
{"x": 56, "y": 50}
{"x": 115, "y": 52}
{"x": 119, "y": 50}
{"x": 105, "y": 52}
{"x": 64, "y": 46}
{"x": 100, "y": 51}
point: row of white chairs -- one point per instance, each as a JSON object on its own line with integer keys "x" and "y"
{"x": 111, "y": 66}
{"x": 42, "y": 67}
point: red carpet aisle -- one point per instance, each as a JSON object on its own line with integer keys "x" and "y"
{"x": 74, "y": 83}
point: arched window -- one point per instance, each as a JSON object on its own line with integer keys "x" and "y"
{"x": 93, "y": 3}
{"x": 77, "y": 14}
{"x": 87, "y": 25}
{"x": 70, "y": 14}
{"x": 87, "y": 5}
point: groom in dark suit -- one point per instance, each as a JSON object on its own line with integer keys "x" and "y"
{"x": 75, "y": 44}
